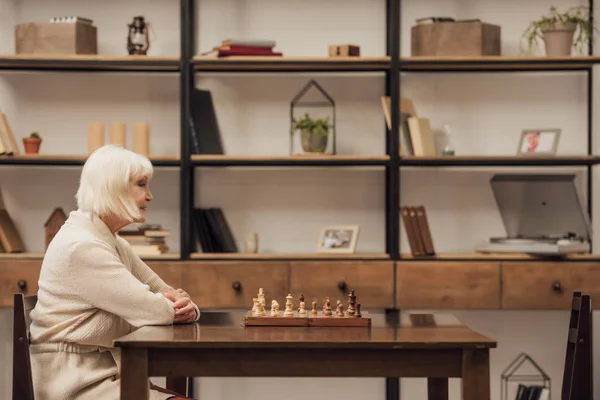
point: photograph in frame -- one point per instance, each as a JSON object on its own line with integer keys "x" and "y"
{"x": 538, "y": 142}
{"x": 338, "y": 239}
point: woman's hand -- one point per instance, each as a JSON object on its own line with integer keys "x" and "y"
{"x": 184, "y": 308}
{"x": 178, "y": 293}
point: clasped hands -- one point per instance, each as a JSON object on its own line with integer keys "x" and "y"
{"x": 185, "y": 311}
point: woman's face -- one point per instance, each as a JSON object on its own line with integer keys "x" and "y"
{"x": 140, "y": 191}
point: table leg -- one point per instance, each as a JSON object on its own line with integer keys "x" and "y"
{"x": 437, "y": 388}
{"x": 134, "y": 374}
{"x": 476, "y": 374}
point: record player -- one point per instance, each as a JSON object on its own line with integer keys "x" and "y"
{"x": 542, "y": 214}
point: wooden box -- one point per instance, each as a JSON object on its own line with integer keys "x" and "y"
{"x": 455, "y": 39}
{"x": 344, "y": 50}
{"x": 55, "y": 38}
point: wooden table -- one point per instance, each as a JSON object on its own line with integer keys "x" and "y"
{"x": 227, "y": 349}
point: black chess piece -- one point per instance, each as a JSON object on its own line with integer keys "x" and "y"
{"x": 357, "y": 314}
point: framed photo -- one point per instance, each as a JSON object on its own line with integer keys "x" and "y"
{"x": 338, "y": 239}
{"x": 538, "y": 141}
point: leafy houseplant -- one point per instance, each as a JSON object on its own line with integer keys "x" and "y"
{"x": 557, "y": 30}
{"x": 313, "y": 133}
{"x": 32, "y": 143}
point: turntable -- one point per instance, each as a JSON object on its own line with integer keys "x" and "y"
{"x": 542, "y": 214}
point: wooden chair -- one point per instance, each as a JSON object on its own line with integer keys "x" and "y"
{"x": 578, "y": 372}
{"x": 22, "y": 384}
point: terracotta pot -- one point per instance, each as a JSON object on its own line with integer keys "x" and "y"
{"x": 559, "y": 39}
{"x": 32, "y": 145}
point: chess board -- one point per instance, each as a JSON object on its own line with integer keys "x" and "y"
{"x": 309, "y": 320}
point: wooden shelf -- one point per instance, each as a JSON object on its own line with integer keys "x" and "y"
{"x": 497, "y": 63}
{"x": 286, "y": 256}
{"x": 100, "y": 63}
{"x": 496, "y": 257}
{"x": 491, "y": 161}
{"x": 300, "y": 160}
{"x": 290, "y": 64}
{"x": 39, "y": 256}
{"x": 73, "y": 160}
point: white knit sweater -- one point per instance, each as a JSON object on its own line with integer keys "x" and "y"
{"x": 92, "y": 289}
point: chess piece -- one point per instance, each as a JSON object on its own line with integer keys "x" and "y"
{"x": 357, "y": 314}
{"x": 274, "y": 308}
{"x": 255, "y": 306}
{"x": 339, "y": 309}
{"x": 301, "y": 300}
{"x": 327, "y": 307}
{"x": 261, "y": 310}
{"x": 301, "y": 310}
{"x": 314, "y": 308}
{"x": 261, "y": 296}
{"x": 289, "y": 311}
{"x": 351, "y": 303}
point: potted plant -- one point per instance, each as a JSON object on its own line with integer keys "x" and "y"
{"x": 557, "y": 30}
{"x": 32, "y": 143}
{"x": 314, "y": 133}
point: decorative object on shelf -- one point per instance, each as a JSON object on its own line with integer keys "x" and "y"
{"x": 448, "y": 37}
{"x": 338, "y": 239}
{"x": 213, "y": 232}
{"x": 317, "y": 123}
{"x": 53, "y": 224}
{"x": 538, "y": 142}
{"x": 138, "y": 39}
{"x": 344, "y": 50}
{"x": 524, "y": 388}
{"x": 407, "y": 110}
{"x": 449, "y": 149}
{"x": 141, "y": 138}
{"x": 244, "y": 47}
{"x": 557, "y": 30}
{"x": 118, "y": 134}
{"x": 8, "y": 143}
{"x": 417, "y": 230}
{"x": 95, "y": 136}
{"x": 32, "y": 143}
{"x": 10, "y": 239}
{"x": 65, "y": 35}
{"x": 252, "y": 243}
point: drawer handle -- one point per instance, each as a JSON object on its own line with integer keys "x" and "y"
{"x": 342, "y": 286}
{"x": 22, "y": 284}
{"x": 556, "y": 286}
{"x": 236, "y": 285}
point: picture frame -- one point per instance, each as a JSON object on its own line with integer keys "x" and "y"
{"x": 538, "y": 141}
{"x": 339, "y": 239}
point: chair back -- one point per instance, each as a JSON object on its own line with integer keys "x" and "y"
{"x": 22, "y": 385}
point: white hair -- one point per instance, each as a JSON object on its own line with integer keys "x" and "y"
{"x": 104, "y": 186}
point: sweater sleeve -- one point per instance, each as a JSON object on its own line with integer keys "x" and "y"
{"x": 101, "y": 280}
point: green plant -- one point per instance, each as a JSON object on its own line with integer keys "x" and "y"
{"x": 35, "y": 135}
{"x": 320, "y": 125}
{"x": 578, "y": 15}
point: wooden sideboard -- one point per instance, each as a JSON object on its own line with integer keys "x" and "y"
{"x": 435, "y": 284}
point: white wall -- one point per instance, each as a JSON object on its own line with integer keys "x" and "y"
{"x": 489, "y": 110}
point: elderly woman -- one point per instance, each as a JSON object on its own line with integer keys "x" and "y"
{"x": 93, "y": 288}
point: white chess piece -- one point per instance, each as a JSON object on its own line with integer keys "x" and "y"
{"x": 302, "y": 311}
{"x": 255, "y": 307}
{"x": 289, "y": 312}
{"x": 274, "y": 308}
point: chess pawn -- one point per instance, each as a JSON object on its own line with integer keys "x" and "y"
{"x": 340, "y": 309}
{"x": 255, "y": 307}
{"x": 302, "y": 311}
{"x": 358, "y": 314}
{"x": 327, "y": 308}
{"x": 300, "y": 300}
{"x": 274, "y": 308}
{"x": 314, "y": 308}
{"x": 289, "y": 311}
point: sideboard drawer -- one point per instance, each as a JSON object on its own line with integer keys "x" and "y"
{"x": 231, "y": 284}
{"x": 448, "y": 285}
{"x": 547, "y": 285}
{"x": 170, "y": 272}
{"x": 372, "y": 282}
{"x": 18, "y": 276}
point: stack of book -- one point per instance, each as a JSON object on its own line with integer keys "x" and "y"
{"x": 242, "y": 47}
{"x": 146, "y": 239}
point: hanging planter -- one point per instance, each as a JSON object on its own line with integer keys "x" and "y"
{"x": 32, "y": 143}
{"x": 561, "y": 32}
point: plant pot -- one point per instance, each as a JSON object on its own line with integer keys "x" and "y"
{"x": 559, "y": 39}
{"x": 32, "y": 145}
{"x": 315, "y": 140}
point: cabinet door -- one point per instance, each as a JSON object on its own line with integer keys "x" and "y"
{"x": 18, "y": 276}
{"x": 547, "y": 285}
{"x": 233, "y": 284}
{"x": 372, "y": 282}
{"x": 447, "y": 285}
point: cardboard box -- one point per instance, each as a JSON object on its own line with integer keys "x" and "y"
{"x": 56, "y": 38}
{"x": 455, "y": 39}
{"x": 344, "y": 50}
